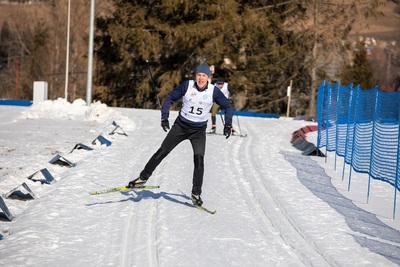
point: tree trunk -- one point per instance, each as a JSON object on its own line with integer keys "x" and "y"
{"x": 311, "y": 106}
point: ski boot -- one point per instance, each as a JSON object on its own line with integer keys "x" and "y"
{"x": 138, "y": 182}
{"x": 197, "y": 200}
{"x": 213, "y": 128}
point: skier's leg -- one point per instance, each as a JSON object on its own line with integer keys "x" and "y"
{"x": 173, "y": 138}
{"x": 198, "y": 142}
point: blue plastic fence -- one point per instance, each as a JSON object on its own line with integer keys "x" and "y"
{"x": 362, "y": 126}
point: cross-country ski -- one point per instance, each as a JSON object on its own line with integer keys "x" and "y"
{"x": 123, "y": 189}
{"x": 233, "y": 135}
{"x": 200, "y": 208}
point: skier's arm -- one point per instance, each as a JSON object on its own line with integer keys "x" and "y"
{"x": 171, "y": 97}
{"x": 225, "y": 104}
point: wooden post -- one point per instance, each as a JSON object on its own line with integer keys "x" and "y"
{"x": 289, "y": 89}
{"x": 16, "y": 78}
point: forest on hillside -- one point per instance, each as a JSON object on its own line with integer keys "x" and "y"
{"x": 259, "y": 47}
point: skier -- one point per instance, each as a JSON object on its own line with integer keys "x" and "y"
{"x": 227, "y": 91}
{"x": 198, "y": 96}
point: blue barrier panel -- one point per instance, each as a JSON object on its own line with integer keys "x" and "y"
{"x": 385, "y": 137}
{"x": 321, "y": 114}
{"x": 350, "y": 126}
{"x": 367, "y": 132}
{"x": 362, "y": 139}
{"x": 254, "y": 114}
{"x": 6, "y": 211}
{"x": 10, "y": 102}
{"x": 45, "y": 177}
{"x": 102, "y": 140}
{"x": 343, "y": 109}
{"x": 330, "y": 104}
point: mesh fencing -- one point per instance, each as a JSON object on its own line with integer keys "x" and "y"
{"x": 362, "y": 126}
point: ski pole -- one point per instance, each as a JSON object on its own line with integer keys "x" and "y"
{"x": 237, "y": 117}
{"x": 153, "y": 84}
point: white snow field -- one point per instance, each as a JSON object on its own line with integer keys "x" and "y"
{"x": 275, "y": 206}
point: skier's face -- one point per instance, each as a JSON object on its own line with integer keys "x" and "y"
{"x": 201, "y": 80}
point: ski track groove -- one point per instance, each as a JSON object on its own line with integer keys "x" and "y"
{"x": 247, "y": 191}
{"x": 271, "y": 213}
{"x": 152, "y": 241}
{"x": 139, "y": 232}
{"x": 142, "y": 219}
{"x": 129, "y": 237}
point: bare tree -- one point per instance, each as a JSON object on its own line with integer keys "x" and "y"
{"x": 332, "y": 22}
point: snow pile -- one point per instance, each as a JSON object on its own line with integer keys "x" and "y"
{"x": 63, "y": 109}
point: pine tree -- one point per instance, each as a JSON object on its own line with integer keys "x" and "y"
{"x": 258, "y": 46}
{"x": 359, "y": 71}
{"x": 244, "y": 40}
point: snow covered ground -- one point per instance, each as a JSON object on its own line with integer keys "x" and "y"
{"x": 275, "y": 207}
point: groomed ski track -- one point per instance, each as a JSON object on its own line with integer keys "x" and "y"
{"x": 235, "y": 184}
{"x": 261, "y": 219}
{"x": 265, "y": 214}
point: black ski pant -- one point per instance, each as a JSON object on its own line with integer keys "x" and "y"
{"x": 178, "y": 133}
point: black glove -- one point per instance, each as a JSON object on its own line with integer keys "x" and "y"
{"x": 227, "y": 130}
{"x": 165, "y": 124}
